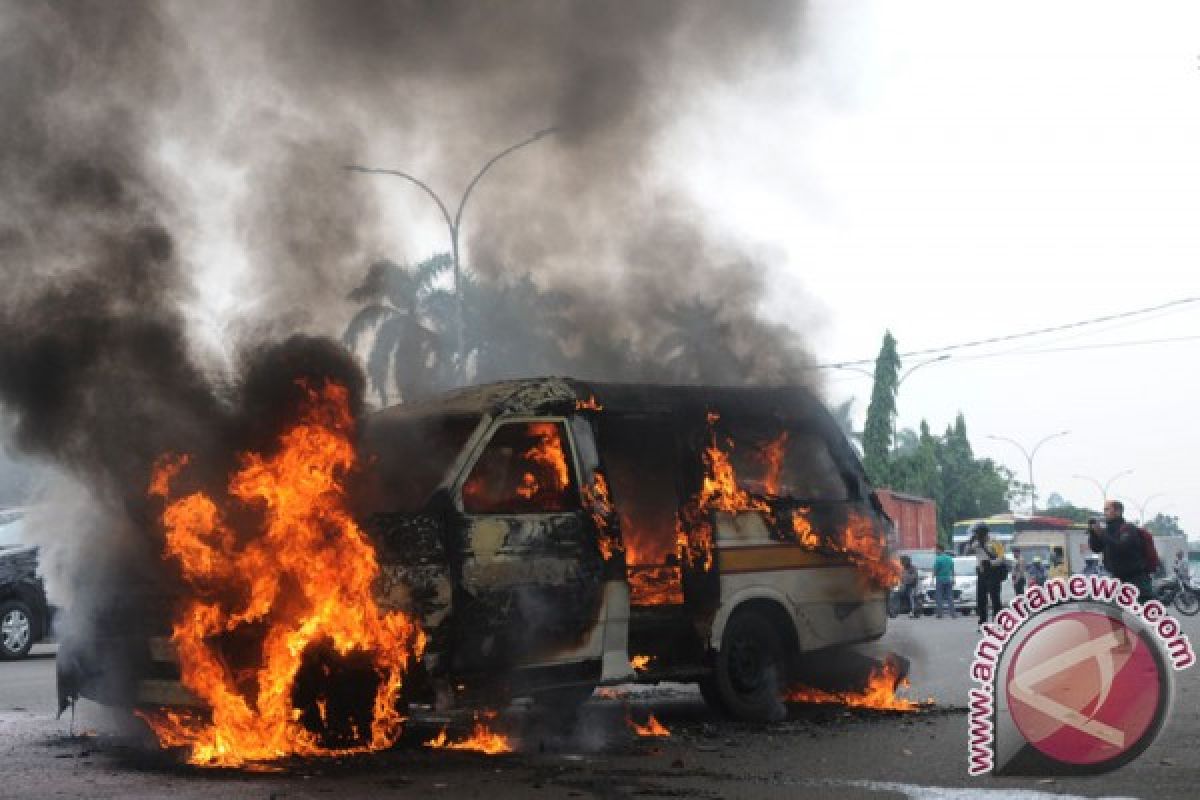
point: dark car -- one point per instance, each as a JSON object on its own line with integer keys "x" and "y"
{"x": 25, "y": 616}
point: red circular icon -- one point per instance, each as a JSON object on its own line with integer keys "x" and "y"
{"x": 1084, "y": 688}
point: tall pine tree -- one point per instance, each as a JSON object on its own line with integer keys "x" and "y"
{"x": 877, "y": 433}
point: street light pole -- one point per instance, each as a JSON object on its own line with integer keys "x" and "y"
{"x": 454, "y": 224}
{"x": 1029, "y": 454}
{"x": 1103, "y": 487}
{"x": 1144, "y": 504}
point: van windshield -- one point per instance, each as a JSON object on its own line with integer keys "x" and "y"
{"x": 405, "y": 459}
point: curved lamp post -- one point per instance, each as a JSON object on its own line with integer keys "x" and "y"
{"x": 1029, "y": 454}
{"x": 1103, "y": 487}
{"x": 870, "y": 374}
{"x": 1142, "y": 506}
{"x": 454, "y": 224}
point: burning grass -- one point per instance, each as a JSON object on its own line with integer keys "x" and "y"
{"x": 280, "y": 616}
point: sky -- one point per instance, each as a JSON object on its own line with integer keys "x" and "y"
{"x": 955, "y": 171}
{"x": 949, "y": 171}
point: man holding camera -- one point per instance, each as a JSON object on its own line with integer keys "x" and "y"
{"x": 1128, "y": 551}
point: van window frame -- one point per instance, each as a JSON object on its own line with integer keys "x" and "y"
{"x": 493, "y": 425}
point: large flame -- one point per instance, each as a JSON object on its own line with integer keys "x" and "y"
{"x": 548, "y": 462}
{"x": 879, "y": 692}
{"x": 279, "y": 567}
{"x": 719, "y": 491}
{"x": 771, "y": 454}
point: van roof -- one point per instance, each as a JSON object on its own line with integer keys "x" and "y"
{"x": 557, "y": 395}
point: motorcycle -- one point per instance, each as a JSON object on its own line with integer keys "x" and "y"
{"x": 1175, "y": 591}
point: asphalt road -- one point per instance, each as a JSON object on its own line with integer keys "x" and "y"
{"x": 817, "y": 752}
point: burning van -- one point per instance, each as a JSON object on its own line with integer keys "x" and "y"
{"x": 549, "y": 536}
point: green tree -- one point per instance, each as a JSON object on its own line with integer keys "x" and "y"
{"x": 1059, "y": 506}
{"x": 877, "y": 433}
{"x": 946, "y": 470}
{"x": 1165, "y": 525}
{"x": 915, "y": 468}
{"x": 907, "y": 442}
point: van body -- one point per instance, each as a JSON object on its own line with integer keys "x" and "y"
{"x": 548, "y": 535}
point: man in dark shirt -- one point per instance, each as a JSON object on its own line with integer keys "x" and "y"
{"x": 1122, "y": 548}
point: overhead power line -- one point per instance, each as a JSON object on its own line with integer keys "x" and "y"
{"x": 1023, "y": 335}
{"x": 1073, "y": 348}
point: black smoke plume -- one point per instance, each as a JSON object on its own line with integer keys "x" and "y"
{"x": 137, "y": 136}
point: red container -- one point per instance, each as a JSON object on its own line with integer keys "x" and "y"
{"x": 915, "y": 519}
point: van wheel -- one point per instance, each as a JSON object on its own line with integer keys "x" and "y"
{"x": 749, "y": 670}
{"x": 16, "y": 630}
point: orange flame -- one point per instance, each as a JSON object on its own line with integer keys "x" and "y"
{"x": 652, "y": 727}
{"x": 878, "y": 694}
{"x": 300, "y": 576}
{"x": 772, "y": 455}
{"x": 654, "y": 586}
{"x": 590, "y": 404}
{"x": 719, "y": 491}
{"x": 867, "y": 550}
{"x": 548, "y": 453}
{"x": 803, "y": 529}
{"x": 481, "y": 740}
{"x": 596, "y": 498}
{"x": 640, "y": 663}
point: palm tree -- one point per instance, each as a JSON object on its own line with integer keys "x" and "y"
{"x": 511, "y": 328}
{"x": 395, "y": 299}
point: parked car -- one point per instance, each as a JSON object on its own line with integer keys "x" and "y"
{"x": 965, "y": 584}
{"x": 25, "y": 616}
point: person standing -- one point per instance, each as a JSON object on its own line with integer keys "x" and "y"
{"x": 1127, "y": 550}
{"x": 1182, "y": 571}
{"x": 1037, "y": 572}
{"x": 988, "y": 571}
{"x": 943, "y": 582}
{"x": 910, "y": 580}
{"x": 1018, "y": 572}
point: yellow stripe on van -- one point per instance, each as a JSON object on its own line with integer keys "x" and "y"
{"x": 765, "y": 558}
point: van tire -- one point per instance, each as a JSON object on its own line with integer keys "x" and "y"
{"x": 750, "y": 669}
